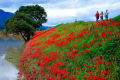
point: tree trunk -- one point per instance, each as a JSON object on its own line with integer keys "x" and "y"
{"x": 28, "y": 37}
{"x": 23, "y": 37}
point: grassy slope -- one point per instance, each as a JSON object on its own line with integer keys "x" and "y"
{"x": 73, "y": 51}
{"x": 117, "y": 18}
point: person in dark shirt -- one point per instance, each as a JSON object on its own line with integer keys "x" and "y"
{"x": 101, "y": 15}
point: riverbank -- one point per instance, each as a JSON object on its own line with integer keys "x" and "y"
{"x": 9, "y": 71}
{"x": 10, "y": 36}
{"x": 13, "y": 55}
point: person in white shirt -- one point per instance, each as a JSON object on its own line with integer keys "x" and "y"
{"x": 106, "y": 15}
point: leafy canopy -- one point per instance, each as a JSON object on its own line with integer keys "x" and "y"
{"x": 36, "y": 12}
{"x": 26, "y": 20}
{"x": 22, "y": 24}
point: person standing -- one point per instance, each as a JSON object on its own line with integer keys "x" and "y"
{"x": 97, "y": 16}
{"x": 75, "y": 20}
{"x": 106, "y": 15}
{"x": 101, "y": 15}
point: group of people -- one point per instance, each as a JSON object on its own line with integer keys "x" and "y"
{"x": 101, "y": 15}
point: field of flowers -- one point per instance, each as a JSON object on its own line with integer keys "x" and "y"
{"x": 73, "y": 51}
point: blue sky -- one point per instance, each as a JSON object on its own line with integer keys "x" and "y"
{"x": 63, "y": 11}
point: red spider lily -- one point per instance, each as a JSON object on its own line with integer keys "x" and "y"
{"x": 85, "y": 44}
{"x": 96, "y": 67}
{"x": 105, "y": 72}
{"x": 88, "y": 45}
{"x": 99, "y": 44}
{"x": 55, "y": 36}
{"x": 107, "y": 67}
{"x": 84, "y": 63}
{"x": 98, "y": 60}
{"x": 77, "y": 72}
{"x": 103, "y": 34}
{"x": 87, "y": 50}
{"x": 110, "y": 63}
{"x": 72, "y": 77}
{"x": 108, "y": 38}
{"x": 88, "y": 66}
{"x": 117, "y": 31}
{"x": 61, "y": 43}
{"x": 71, "y": 33}
{"x": 52, "y": 55}
{"x": 74, "y": 51}
{"x": 82, "y": 69}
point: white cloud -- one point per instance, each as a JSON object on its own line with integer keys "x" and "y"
{"x": 56, "y": 13}
{"x": 9, "y": 9}
{"x": 62, "y": 15}
{"x": 69, "y": 10}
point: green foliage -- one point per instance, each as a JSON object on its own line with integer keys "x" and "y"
{"x": 36, "y": 12}
{"x": 81, "y": 22}
{"x": 26, "y": 20}
{"x": 22, "y": 24}
{"x": 117, "y": 18}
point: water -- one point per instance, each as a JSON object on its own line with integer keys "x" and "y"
{"x": 7, "y": 70}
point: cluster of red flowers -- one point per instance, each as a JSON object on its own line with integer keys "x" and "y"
{"x": 1, "y": 33}
{"x": 9, "y": 34}
{"x": 50, "y": 54}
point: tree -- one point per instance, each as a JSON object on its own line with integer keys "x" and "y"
{"x": 26, "y": 20}
{"x": 36, "y": 12}
{"x": 21, "y": 24}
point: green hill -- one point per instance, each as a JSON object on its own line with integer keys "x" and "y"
{"x": 73, "y": 51}
{"x": 117, "y": 18}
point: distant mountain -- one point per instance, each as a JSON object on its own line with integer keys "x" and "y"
{"x": 44, "y": 27}
{"x": 3, "y": 17}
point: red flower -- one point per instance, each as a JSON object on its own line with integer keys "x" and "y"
{"x": 88, "y": 45}
{"x": 117, "y": 31}
{"x": 108, "y": 38}
{"x": 88, "y": 66}
{"x": 106, "y": 66}
{"x": 110, "y": 63}
{"x": 74, "y": 51}
{"x": 100, "y": 62}
{"x": 89, "y": 73}
{"x": 87, "y": 50}
{"x": 102, "y": 77}
{"x": 99, "y": 44}
{"x": 82, "y": 69}
{"x": 84, "y": 63}
{"x": 85, "y": 44}
{"x": 103, "y": 34}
